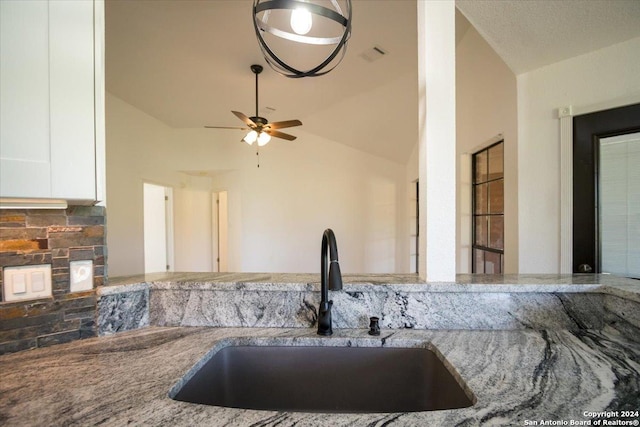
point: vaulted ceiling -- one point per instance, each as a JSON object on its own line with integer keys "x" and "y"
{"x": 187, "y": 62}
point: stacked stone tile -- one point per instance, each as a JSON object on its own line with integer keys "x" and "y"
{"x": 56, "y": 237}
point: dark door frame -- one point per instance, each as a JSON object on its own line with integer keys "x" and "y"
{"x": 588, "y": 129}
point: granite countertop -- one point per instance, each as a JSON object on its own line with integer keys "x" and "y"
{"x": 477, "y": 283}
{"x": 516, "y": 376}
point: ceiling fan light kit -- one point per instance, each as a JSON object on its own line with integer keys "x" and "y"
{"x": 280, "y": 24}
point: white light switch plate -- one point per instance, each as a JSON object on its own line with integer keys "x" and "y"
{"x": 19, "y": 283}
{"x": 26, "y": 282}
{"x": 81, "y": 275}
{"x": 37, "y": 282}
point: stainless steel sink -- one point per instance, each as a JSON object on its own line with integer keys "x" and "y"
{"x": 324, "y": 379}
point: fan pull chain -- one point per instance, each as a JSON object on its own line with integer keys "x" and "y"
{"x": 258, "y": 155}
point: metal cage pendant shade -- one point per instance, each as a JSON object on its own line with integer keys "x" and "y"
{"x": 331, "y": 31}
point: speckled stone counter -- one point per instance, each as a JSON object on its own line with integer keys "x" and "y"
{"x": 516, "y": 376}
{"x": 552, "y": 302}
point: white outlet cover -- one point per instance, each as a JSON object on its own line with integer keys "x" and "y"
{"x": 81, "y": 275}
{"x": 26, "y": 282}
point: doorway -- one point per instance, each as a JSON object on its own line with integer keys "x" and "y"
{"x": 200, "y": 230}
{"x": 604, "y": 216}
{"x": 619, "y": 205}
{"x": 185, "y": 230}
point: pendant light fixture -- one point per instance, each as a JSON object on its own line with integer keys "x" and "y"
{"x": 283, "y": 26}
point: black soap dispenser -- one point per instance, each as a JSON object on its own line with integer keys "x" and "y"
{"x": 374, "y": 327}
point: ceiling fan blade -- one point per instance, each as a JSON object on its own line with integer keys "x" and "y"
{"x": 245, "y": 119}
{"x": 278, "y": 134}
{"x": 224, "y": 127}
{"x": 285, "y": 124}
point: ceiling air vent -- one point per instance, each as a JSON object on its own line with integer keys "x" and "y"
{"x": 373, "y": 54}
{"x": 267, "y": 110}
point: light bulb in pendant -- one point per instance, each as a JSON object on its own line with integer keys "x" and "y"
{"x": 301, "y": 21}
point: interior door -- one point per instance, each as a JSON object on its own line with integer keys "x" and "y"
{"x": 589, "y": 133}
{"x": 155, "y": 229}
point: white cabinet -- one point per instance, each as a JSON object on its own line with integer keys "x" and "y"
{"x": 51, "y": 87}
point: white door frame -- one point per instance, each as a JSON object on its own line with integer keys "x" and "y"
{"x": 222, "y": 228}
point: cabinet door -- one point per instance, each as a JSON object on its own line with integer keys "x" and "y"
{"x": 72, "y": 99}
{"x": 47, "y": 141}
{"x": 25, "y": 155}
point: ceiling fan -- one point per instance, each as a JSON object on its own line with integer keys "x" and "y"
{"x": 260, "y": 130}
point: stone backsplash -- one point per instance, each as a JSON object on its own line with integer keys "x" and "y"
{"x": 55, "y": 237}
{"x": 401, "y": 301}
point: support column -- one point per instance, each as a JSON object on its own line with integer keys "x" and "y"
{"x": 565, "y": 115}
{"x": 437, "y": 140}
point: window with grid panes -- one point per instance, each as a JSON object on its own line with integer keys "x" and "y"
{"x": 488, "y": 210}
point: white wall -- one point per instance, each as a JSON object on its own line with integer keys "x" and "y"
{"x": 486, "y": 106}
{"x": 138, "y": 150}
{"x": 277, "y": 212}
{"x": 128, "y": 134}
{"x": 606, "y": 78}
